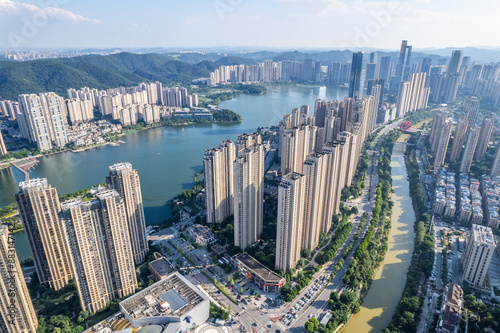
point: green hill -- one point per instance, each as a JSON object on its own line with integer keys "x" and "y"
{"x": 121, "y": 69}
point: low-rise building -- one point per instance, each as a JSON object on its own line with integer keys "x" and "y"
{"x": 266, "y": 279}
{"x": 452, "y": 306}
{"x": 202, "y": 235}
{"x": 161, "y": 268}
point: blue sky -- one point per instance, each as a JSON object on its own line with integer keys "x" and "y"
{"x": 260, "y": 23}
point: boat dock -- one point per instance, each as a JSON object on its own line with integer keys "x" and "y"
{"x": 25, "y": 166}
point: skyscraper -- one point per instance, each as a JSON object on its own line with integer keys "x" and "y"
{"x": 17, "y": 314}
{"x": 291, "y": 192}
{"x": 426, "y": 66}
{"x": 455, "y": 61}
{"x": 125, "y": 181}
{"x": 495, "y": 168}
{"x": 43, "y": 120}
{"x": 358, "y": 75}
{"x": 101, "y": 249}
{"x": 385, "y": 72}
{"x": 248, "y": 190}
{"x": 442, "y": 143}
{"x": 459, "y": 137}
{"x": 470, "y": 148}
{"x": 219, "y": 190}
{"x": 484, "y": 136}
{"x": 471, "y": 107}
{"x": 297, "y": 144}
{"x": 403, "y": 67}
{"x": 478, "y": 254}
{"x": 38, "y": 206}
{"x": 437, "y": 124}
{"x": 315, "y": 172}
{"x": 3, "y": 149}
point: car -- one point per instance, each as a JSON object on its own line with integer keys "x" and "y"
{"x": 269, "y": 325}
{"x": 254, "y": 324}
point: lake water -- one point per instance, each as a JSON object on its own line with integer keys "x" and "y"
{"x": 382, "y": 298}
{"x": 165, "y": 157}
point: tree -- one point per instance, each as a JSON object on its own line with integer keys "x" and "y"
{"x": 232, "y": 283}
{"x": 311, "y": 325}
{"x": 348, "y": 298}
{"x": 82, "y": 316}
{"x": 305, "y": 253}
{"x": 354, "y": 210}
{"x": 469, "y": 301}
{"x": 334, "y": 296}
{"x": 256, "y": 294}
{"x": 241, "y": 290}
{"x": 228, "y": 278}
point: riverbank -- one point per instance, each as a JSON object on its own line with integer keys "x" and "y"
{"x": 379, "y": 304}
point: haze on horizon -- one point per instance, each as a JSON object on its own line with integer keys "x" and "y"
{"x": 38, "y": 24}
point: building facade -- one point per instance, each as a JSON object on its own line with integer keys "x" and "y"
{"x": 248, "y": 190}
{"x": 17, "y": 314}
{"x": 42, "y": 120}
{"x": 38, "y": 206}
{"x": 101, "y": 249}
{"x": 478, "y": 254}
{"x": 219, "y": 178}
{"x": 125, "y": 180}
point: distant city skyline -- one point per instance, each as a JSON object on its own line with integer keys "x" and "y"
{"x": 341, "y": 24}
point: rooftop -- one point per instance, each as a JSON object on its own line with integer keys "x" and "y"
{"x": 162, "y": 266}
{"x": 172, "y": 296}
{"x": 482, "y": 234}
{"x": 259, "y": 269}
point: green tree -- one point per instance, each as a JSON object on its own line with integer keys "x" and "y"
{"x": 232, "y": 283}
{"x": 256, "y": 294}
{"x": 241, "y": 290}
{"x": 82, "y": 316}
{"x": 305, "y": 253}
{"x": 354, "y": 210}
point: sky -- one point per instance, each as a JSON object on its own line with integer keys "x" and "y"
{"x": 288, "y": 24}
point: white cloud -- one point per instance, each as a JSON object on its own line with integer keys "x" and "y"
{"x": 8, "y": 7}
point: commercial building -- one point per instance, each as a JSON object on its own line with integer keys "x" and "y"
{"x": 171, "y": 305}
{"x": 42, "y": 120}
{"x": 219, "y": 181}
{"x": 248, "y": 190}
{"x": 101, "y": 250}
{"x": 478, "y": 254}
{"x": 291, "y": 202}
{"x": 253, "y": 270}
{"x": 125, "y": 181}
{"x": 38, "y": 206}
{"x": 17, "y": 314}
{"x": 358, "y": 75}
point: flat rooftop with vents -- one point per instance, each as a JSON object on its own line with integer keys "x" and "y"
{"x": 173, "y": 302}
